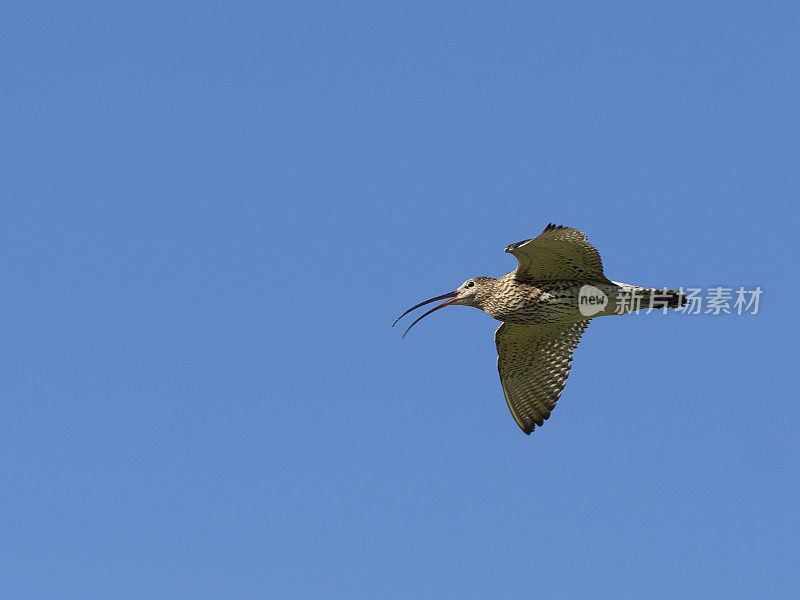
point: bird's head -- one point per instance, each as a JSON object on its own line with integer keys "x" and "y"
{"x": 473, "y": 292}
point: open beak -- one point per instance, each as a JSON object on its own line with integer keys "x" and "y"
{"x": 453, "y": 296}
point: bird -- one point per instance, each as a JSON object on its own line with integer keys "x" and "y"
{"x": 545, "y": 306}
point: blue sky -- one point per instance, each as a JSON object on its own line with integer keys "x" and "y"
{"x": 213, "y": 212}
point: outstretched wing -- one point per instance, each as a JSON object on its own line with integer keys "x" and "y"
{"x": 558, "y": 254}
{"x": 534, "y": 363}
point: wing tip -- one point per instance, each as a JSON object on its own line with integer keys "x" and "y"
{"x": 530, "y": 428}
{"x": 553, "y": 227}
{"x": 550, "y": 227}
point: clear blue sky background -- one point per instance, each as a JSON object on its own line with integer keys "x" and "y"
{"x": 212, "y": 213}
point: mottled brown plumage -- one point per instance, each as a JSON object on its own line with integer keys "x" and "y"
{"x": 545, "y": 306}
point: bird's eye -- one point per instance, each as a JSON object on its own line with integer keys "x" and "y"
{"x": 470, "y": 284}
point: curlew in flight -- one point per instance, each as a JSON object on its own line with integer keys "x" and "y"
{"x": 545, "y": 306}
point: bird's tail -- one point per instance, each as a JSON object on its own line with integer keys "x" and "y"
{"x": 662, "y": 298}
{"x": 676, "y": 299}
{"x": 641, "y": 297}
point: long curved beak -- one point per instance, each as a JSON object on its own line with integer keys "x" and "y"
{"x": 452, "y": 298}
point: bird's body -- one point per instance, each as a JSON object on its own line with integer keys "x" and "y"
{"x": 531, "y": 303}
{"x": 537, "y": 303}
{"x": 545, "y": 306}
